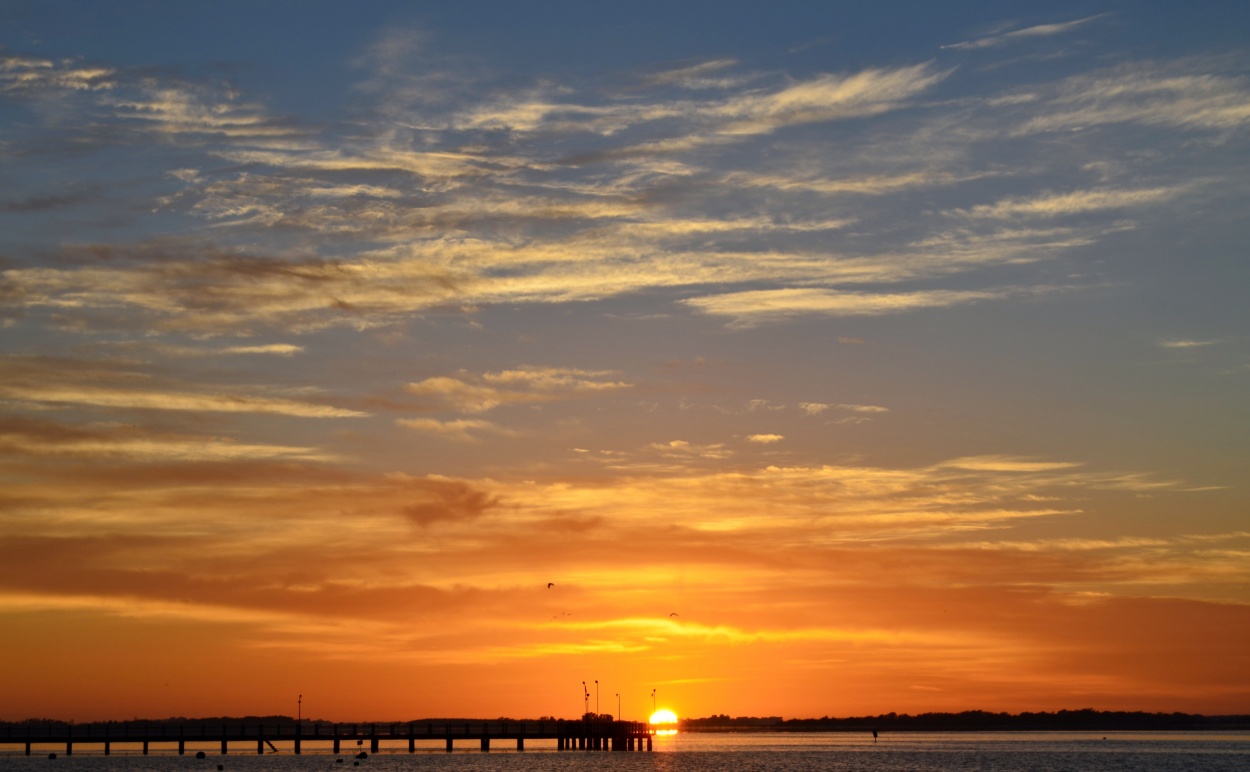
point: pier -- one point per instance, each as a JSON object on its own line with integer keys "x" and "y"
{"x": 588, "y": 735}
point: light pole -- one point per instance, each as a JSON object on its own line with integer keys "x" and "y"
{"x": 585, "y": 699}
{"x": 618, "y": 706}
{"x": 596, "y": 698}
{"x": 653, "y": 700}
{"x": 299, "y": 710}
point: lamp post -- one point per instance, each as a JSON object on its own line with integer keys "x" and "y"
{"x": 585, "y": 699}
{"x": 653, "y": 700}
{"x": 596, "y": 698}
{"x": 299, "y": 710}
{"x": 618, "y": 706}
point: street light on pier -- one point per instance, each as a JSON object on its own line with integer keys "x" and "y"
{"x": 299, "y": 710}
{"x": 585, "y": 699}
{"x": 653, "y": 700}
{"x": 618, "y": 706}
{"x": 596, "y": 698}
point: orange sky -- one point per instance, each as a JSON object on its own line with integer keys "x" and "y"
{"x": 824, "y": 360}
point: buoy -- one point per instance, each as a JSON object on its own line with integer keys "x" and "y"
{"x": 52, "y": 755}
{"x": 199, "y": 754}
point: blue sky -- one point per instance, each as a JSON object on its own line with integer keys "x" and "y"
{"x": 846, "y": 312}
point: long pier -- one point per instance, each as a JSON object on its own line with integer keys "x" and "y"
{"x": 591, "y": 735}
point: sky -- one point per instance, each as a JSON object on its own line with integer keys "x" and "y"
{"x": 390, "y": 360}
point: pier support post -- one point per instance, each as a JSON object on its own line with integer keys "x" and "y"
{"x": 28, "y": 748}
{"x": 336, "y": 745}
{"x": 648, "y": 742}
{"x": 373, "y": 744}
{"x": 69, "y": 747}
{"x": 297, "y": 739}
{"x": 145, "y": 747}
{"x": 224, "y": 749}
{"x": 485, "y": 744}
{"x": 182, "y": 747}
{"x": 520, "y": 743}
{"x": 449, "y": 745}
{"x": 412, "y": 745}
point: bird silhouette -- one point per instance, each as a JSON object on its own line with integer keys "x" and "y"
{"x": 550, "y": 585}
{"x": 670, "y": 616}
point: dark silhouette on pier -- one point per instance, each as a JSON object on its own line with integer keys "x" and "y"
{"x": 590, "y": 733}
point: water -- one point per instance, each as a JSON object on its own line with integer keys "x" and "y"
{"x": 711, "y": 752}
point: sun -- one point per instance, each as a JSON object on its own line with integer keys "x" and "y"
{"x": 664, "y": 721}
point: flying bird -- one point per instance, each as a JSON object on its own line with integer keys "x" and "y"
{"x": 670, "y": 616}
{"x": 550, "y": 585}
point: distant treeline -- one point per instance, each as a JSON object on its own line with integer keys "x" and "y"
{"x": 974, "y": 721}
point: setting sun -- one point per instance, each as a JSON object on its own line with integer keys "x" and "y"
{"x": 665, "y": 721}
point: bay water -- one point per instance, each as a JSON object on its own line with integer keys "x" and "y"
{"x": 708, "y": 752}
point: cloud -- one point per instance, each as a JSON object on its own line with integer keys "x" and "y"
{"x": 23, "y": 75}
{"x": 129, "y": 445}
{"x": 447, "y": 500}
{"x": 765, "y": 439}
{"x": 1076, "y": 202}
{"x": 695, "y": 76}
{"x": 1007, "y": 464}
{"x": 464, "y": 430}
{"x": 517, "y": 386}
{"x": 462, "y": 396}
{"x": 1040, "y": 30}
{"x": 259, "y": 349}
{"x": 824, "y": 98}
{"x": 684, "y": 449}
{"x": 171, "y": 400}
{"x": 1176, "y": 95}
{"x": 1185, "y": 343}
{"x": 757, "y": 306}
{"x": 870, "y": 185}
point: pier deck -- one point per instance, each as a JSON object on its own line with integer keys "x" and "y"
{"x": 569, "y": 735}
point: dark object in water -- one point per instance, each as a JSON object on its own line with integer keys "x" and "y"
{"x": 52, "y": 755}
{"x": 362, "y": 755}
{"x": 199, "y": 754}
{"x": 338, "y": 761}
{"x": 220, "y": 767}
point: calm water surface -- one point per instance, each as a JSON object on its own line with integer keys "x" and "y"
{"x": 765, "y": 752}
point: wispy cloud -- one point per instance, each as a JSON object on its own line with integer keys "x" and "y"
{"x": 172, "y": 400}
{"x": 765, "y": 439}
{"x": 757, "y": 306}
{"x": 1024, "y": 33}
{"x": 1177, "y": 95}
{"x": 129, "y": 446}
{"x": 461, "y": 429}
{"x": 475, "y": 394}
{"x": 1185, "y": 343}
{"x": 1076, "y": 202}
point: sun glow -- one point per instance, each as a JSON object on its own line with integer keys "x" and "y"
{"x": 664, "y": 721}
